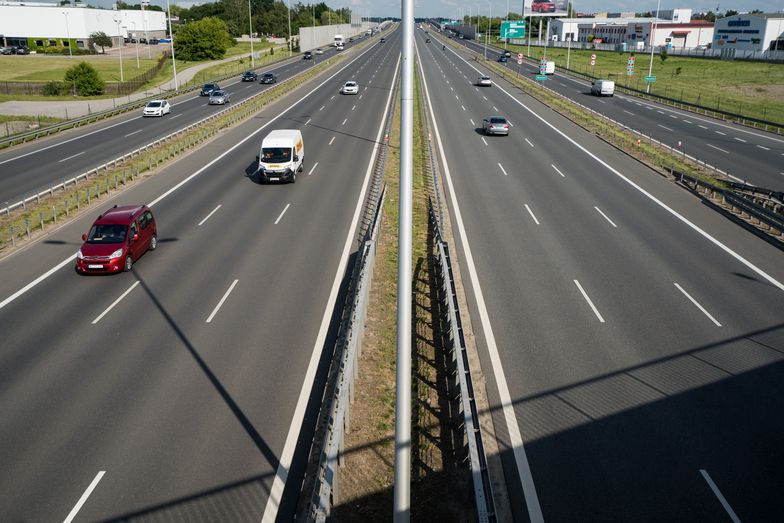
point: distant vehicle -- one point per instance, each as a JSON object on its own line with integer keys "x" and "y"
{"x": 543, "y": 6}
{"x": 383, "y": 39}
{"x": 118, "y": 238}
{"x": 503, "y": 58}
{"x": 508, "y": 54}
{"x": 484, "y": 81}
{"x": 154, "y": 41}
{"x": 339, "y": 47}
{"x": 142, "y": 40}
{"x": 11, "y": 49}
{"x": 281, "y": 156}
{"x": 549, "y": 67}
{"x": 350, "y": 87}
{"x": 307, "y": 55}
{"x": 339, "y": 40}
{"x": 495, "y": 125}
{"x": 207, "y": 89}
{"x": 427, "y": 40}
{"x": 22, "y": 50}
{"x": 603, "y": 87}
{"x": 250, "y": 76}
{"x": 268, "y": 78}
{"x": 156, "y": 108}
{"x": 319, "y": 51}
{"x": 164, "y": 40}
{"x": 219, "y": 97}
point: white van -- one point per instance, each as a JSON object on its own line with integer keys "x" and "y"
{"x": 339, "y": 40}
{"x": 549, "y": 68}
{"x": 281, "y": 156}
{"x": 603, "y": 87}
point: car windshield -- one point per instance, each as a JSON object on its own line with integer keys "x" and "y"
{"x": 351, "y": 84}
{"x": 484, "y": 77}
{"x": 107, "y": 233}
{"x": 497, "y": 120}
{"x": 218, "y": 93}
{"x": 268, "y": 75}
{"x": 275, "y": 154}
{"x": 210, "y": 87}
{"x": 154, "y": 104}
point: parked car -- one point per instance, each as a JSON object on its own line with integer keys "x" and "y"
{"x": 157, "y": 108}
{"x": 484, "y": 81}
{"x": 250, "y": 76}
{"x": 495, "y": 125}
{"x": 268, "y": 78}
{"x": 11, "y": 49}
{"x": 219, "y": 97}
{"x": 22, "y": 50}
{"x": 154, "y": 41}
{"x": 142, "y": 40}
{"x": 350, "y": 87}
{"x": 543, "y": 6}
{"x": 207, "y": 89}
{"x": 117, "y": 239}
{"x": 307, "y": 55}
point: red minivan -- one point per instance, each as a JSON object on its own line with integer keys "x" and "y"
{"x": 117, "y": 239}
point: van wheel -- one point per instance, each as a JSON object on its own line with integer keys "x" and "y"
{"x": 153, "y": 242}
{"x": 128, "y": 263}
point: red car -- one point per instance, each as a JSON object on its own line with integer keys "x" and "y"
{"x": 543, "y": 6}
{"x": 117, "y": 239}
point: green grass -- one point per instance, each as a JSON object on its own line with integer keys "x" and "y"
{"x": 34, "y": 68}
{"x": 754, "y": 89}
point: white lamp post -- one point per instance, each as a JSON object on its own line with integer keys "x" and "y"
{"x": 137, "y": 46}
{"x": 171, "y": 43}
{"x": 250, "y": 29}
{"x": 489, "y": 21}
{"x": 653, "y": 34}
{"x": 68, "y": 32}
{"x": 288, "y": 12}
{"x": 120, "y": 37}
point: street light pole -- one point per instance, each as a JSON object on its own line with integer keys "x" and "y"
{"x": 653, "y": 34}
{"x": 288, "y": 11}
{"x": 137, "y": 45}
{"x": 506, "y": 39}
{"x": 171, "y": 43}
{"x": 120, "y": 37}
{"x": 489, "y": 22}
{"x": 250, "y": 33}
{"x": 68, "y": 32}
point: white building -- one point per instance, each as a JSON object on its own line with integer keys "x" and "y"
{"x": 53, "y": 25}
{"x": 750, "y": 32}
{"x": 634, "y": 32}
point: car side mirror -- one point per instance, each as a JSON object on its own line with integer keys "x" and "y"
{"x": 135, "y": 237}
{"x": 257, "y": 158}
{"x": 84, "y": 237}
{"x": 296, "y": 158}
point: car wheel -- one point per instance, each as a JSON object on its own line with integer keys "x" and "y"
{"x": 153, "y": 242}
{"x": 128, "y": 263}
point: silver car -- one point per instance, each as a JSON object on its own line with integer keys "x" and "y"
{"x": 495, "y": 125}
{"x": 219, "y": 97}
{"x": 484, "y": 81}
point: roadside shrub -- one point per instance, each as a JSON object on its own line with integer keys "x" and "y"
{"x": 53, "y": 88}
{"x": 85, "y": 78}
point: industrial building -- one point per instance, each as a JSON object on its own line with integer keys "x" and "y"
{"x": 40, "y": 26}
{"x": 750, "y": 32}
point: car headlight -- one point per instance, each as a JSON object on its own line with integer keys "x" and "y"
{"x": 79, "y": 254}
{"x": 116, "y": 254}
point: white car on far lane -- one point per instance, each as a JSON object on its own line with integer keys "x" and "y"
{"x": 350, "y": 87}
{"x": 157, "y": 108}
{"x": 484, "y": 81}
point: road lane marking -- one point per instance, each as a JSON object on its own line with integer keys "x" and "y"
{"x": 721, "y": 133}
{"x": 282, "y": 213}
{"x": 115, "y": 302}
{"x": 739, "y": 139}
{"x": 457, "y": 98}
{"x": 510, "y": 123}
{"x": 309, "y": 119}
{"x": 696, "y": 304}
{"x": 660, "y": 112}
{"x": 495, "y": 108}
{"x": 585, "y": 295}
{"x": 721, "y": 498}
{"x": 529, "y": 142}
{"x": 507, "y": 407}
{"x": 344, "y": 121}
{"x": 74, "y": 156}
{"x": 605, "y": 217}
{"x": 131, "y": 134}
{"x": 717, "y": 148}
{"x": 175, "y": 116}
{"x": 628, "y": 112}
{"x": 333, "y": 96}
{"x": 94, "y": 483}
{"x": 483, "y": 139}
{"x": 313, "y": 168}
{"x": 360, "y": 96}
{"x": 663, "y": 127}
{"x": 702, "y": 126}
{"x": 502, "y": 169}
{"x": 353, "y": 107}
{"x": 531, "y": 213}
{"x": 557, "y": 170}
{"x": 332, "y": 140}
{"x": 763, "y": 147}
{"x": 686, "y": 121}
{"x": 220, "y": 303}
{"x": 208, "y": 216}
{"x": 322, "y": 107}
{"x": 463, "y": 106}
{"x": 674, "y": 116}
{"x": 485, "y": 97}
{"x": 601, "y": 101}
{"x": 472, "y": 122}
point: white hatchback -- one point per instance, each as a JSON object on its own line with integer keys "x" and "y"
{"x": 157, "y": 108}
{"x": 350, "y": 87}
{"x": 484, "y": 81}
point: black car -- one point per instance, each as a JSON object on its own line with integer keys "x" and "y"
{"x": 154, "y": 41}
{"x": 383, "y": 40}
{"x": 250, "y": 76}
{"x": 207, "y": 89}
{"x": 308, "y": 55}
{"x": 268, "y": 78}
{"x": 427, "y": 41}
{"x": 142, "y": 40}
{"x": 22, "y": 50}
{"x": 11, "y": 49}
{"x": 503, "y": 58}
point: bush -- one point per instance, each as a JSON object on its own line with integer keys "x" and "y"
{"x": 85, "y": 78}
{"x": 53, "y": 88}
{"x": 206, "y": 39}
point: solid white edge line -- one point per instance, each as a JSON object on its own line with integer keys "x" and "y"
{"x": 208, "y": 216}
{"x": 313, "y": 168}
{"x": 647, "y": 194}
{"x": 605, "y": 217}
{"x": 281, "y": 474}
{"x": 515, "y": 438}
{"x": 531, "y": 213}
{"x": 186, "y": 180}
{"x": 286, "y": 208}
{"x": 220, "y": 303}
{"x": 585, "y": 295}
{"x": 115, "y": 302}
{"x": 696, "y": 304}
{"x": 71, "y": 515}
{"x": 724, "y": 503}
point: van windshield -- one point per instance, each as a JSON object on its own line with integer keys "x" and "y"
{"x": 107, "y": 233}
{"x": 275, "y": 154}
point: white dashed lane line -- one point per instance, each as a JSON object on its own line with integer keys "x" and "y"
{"x": 558, "y": 170}
{"x": 696, "y": 304}
{"x": 472, "y": 122}
{"x": 344, "y": 121}
{"x": 115, "y": 302}
{"x": 739, "y": 139}
{"x": 332, "y": 140}
{"x": 463, "y": 106}
{"x": 717, "y": 148}
{"x": 208, "y": 216}
{"x": 502, "y": 169}
{"x": 605, "y": 217}
{"x": 223, "y": 299}
{"x": 587, "y": 299}
{"x": 529, "y": 142}
{"x": 131, "y": 134}
{"x": 664, "y": 127}
{"x": 721, "y": 133}
{"x": 313, "y": 168}
{"x": 763, "y": 147}
{"x": 701, "y": 126}
{"x": 70, "y": 157}
{"x": 532, "y": 214}
{"x": 483, "y": 139}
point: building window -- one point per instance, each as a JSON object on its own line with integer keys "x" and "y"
{"x": 52, "y": 43}
{"x": 66, "y": 43}
{"x": 80, "y": 44}
{"x": 39, "y": 43}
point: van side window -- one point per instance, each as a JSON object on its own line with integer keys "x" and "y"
{"x": 145, "y": 220}
{"x": 134, "y": 229}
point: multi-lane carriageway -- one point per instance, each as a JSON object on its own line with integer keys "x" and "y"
{"x": 183, "y": 387}
{"x": 632, "y": 338}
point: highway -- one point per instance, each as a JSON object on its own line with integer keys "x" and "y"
{"x": 188, "y": 385}
{"x": 631, "y": 337}
{"x": 29, "y": 169}
{"x": 745, "y": 154}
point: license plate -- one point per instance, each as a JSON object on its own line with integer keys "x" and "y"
{"x": 95, "y": 266}
{"x": 275, "y": 179}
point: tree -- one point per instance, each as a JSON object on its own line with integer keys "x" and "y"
{"x": 85, "y": 79}
{"x": 205, "y": 39}
{"x": 102, "y": 39}
{"x": 663, "y": 55}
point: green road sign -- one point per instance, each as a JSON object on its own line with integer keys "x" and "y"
{"x": 650, "y": 79}
{"x": 515, "y": 29}
{"x": 541, "y": 77}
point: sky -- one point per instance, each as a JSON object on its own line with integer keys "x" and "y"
{"x": 452, "y": 8}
